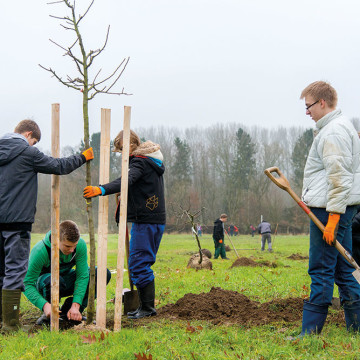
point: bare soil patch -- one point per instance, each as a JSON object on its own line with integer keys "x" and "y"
{"x": 297, "y": 257}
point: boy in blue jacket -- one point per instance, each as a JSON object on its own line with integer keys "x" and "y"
{"x": 20, "y": 162}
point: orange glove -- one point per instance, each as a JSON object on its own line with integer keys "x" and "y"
{"x": 91, "y": 191}
{"x": 88, "y": 153}
{"x": 220, "y": 241}
{"x": 331, "y": 229}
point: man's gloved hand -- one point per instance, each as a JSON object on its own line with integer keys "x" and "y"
{"x": 88, "y": 153}
{"x": 220, "y": 241}
{"x": 91, "y": 191}
{"x": 331, "y": 229}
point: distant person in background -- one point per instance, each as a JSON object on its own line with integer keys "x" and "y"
{"x": 199, "y": 230}
{"x": 264, "y": 229}
{"x": 219, "y": 237}
{"x": 232, "y": 228}
{"x": 20, "y": 163}
{"x": 236, "y": 230}
{"x": 252, "y": 230}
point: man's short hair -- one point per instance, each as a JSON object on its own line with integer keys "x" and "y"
{"x": 69, "y": 231}
{"x": 321, "y": 90}
{"x": 29, "y": 125}
{"x": 223, "y": 216}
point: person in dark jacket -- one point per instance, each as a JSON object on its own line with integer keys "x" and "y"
{"x": 20, "y": 162}
{"x": 264, "y": 229}
{"x": 218, "y": 237}
{"x": 146, "y": 211}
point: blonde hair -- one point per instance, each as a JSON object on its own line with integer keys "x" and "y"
{"x": 321, "y": 90}
{"x": 134, "y": 141}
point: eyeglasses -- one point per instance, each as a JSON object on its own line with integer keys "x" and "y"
{"x": 308, "y": 107}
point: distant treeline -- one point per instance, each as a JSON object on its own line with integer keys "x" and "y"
{"x": 213, "y": 170}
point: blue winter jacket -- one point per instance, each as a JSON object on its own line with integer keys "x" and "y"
{"x": 19, "y": 165}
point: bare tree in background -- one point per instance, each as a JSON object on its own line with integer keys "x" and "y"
{"x": 83, "y": 60}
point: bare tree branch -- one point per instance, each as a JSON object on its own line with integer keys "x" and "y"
{"x": 82, "y": 16}
{"x": 95, "y": 53}
{"x": 66, "y": 83}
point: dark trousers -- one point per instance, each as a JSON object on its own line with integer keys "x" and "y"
{"x": 66, "y": 286}
{"x": 144, "y": 245}
{"x": 14, "y": 258}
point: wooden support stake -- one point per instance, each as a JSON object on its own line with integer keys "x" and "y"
{"x": 55, "y": 219}
{"x": 103, "y": 218}
{"x": 122, "y": 218}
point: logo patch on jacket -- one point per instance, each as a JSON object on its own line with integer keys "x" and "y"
{"x": 152, "y": 202}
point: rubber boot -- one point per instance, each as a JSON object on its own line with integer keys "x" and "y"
{"x": 10, "y": 310}
{"x": 131, "y": 313}
{"x": 314, "y": 317}
{"x": 352, "y": 315}
{"x": 147, "y": 301}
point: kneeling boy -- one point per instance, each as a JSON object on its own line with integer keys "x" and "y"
{"x": 74, "y": 283}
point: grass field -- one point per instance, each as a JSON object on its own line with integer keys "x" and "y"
{"x": 164, "y": 339}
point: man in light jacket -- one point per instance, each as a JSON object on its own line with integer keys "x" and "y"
{"x": 331, "y": 189}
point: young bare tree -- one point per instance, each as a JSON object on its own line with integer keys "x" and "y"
{"x": 83, "y": 60}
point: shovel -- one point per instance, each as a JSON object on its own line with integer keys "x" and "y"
{"x": 283, "y": 183}
{"x": 130, "y": 296}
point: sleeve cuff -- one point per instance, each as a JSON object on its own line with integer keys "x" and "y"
{"x": 102, "y": 190}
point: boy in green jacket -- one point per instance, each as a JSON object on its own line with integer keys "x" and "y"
{"x": 72, "y": 282}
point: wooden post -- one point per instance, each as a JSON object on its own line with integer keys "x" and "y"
{"x": 104, "y": 171}
{"x": 55, "y": 219}
{"x": 122, "y": 218}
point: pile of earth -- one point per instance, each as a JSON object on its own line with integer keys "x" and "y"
{"x": 297, "y": 257}
{"x": 243, "y": 261}
{"x": 226, "y": 306}
{"x": 221, "y": 306}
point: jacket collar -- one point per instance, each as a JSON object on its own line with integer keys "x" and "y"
{"x": 328, "y": 118}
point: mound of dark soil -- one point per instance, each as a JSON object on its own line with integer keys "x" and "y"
{"x": 225, "y": 306}
{"x": 245, "y": 262}
{"x": 297, "y": 257}
{"x": 206, "y": 252}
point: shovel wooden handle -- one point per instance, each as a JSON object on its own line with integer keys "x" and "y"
{"x": 283, "y": 183}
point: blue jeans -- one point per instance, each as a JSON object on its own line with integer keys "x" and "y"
{"x": 144, "y": 245}
{"x": 327, "y": 265}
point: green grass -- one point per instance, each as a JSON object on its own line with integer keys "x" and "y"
{"x": 169, "y": 339}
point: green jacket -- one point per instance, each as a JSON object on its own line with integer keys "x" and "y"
{"x": 39, "y": 259}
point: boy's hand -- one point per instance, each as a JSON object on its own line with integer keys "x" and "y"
{"x": 47, "y": 309}
{"x": 331, "y": 229}
{"x": 74, "y": 312}
{"x": 91, "y": 191}
{"x": 88, "y": 153}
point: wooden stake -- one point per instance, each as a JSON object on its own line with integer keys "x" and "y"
{"x": 55, "y": 219}
{"x": 103, "y": 218}
{"x": 122, "y": 218}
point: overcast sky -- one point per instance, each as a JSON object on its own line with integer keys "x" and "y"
{"x": 192, "y": 62}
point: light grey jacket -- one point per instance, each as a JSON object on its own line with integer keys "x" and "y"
{"x": 332, "y": 174}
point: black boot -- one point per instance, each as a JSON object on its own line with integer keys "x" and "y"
{"x": 147, "y": 301}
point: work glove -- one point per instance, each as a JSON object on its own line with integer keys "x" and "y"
{"x": 220, "y": 241}
{"x": 331, "y": 229}
{"x": 92, "y": 191}
{"x": 88, "y": 153}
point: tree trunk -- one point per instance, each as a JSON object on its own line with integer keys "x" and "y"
{"x": 91, "y": 298}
